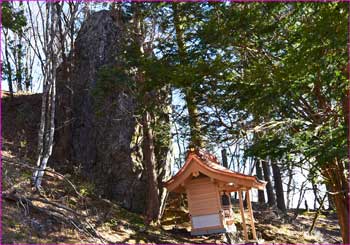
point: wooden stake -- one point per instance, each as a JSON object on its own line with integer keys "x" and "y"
{"x": 242, "y": 213}
{"x": 251, "y": 214}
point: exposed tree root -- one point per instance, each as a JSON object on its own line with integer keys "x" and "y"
{"x": 51, "y": 171}
{"x": 58, "y": 212}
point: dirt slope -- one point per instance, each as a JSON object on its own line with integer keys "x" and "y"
{"x": 86, "y": 218}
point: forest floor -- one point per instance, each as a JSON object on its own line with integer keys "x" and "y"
{"x": 63, "y": 214}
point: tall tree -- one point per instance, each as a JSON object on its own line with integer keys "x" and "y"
{"x": 269, "y": 189}
{"x": 290, "y": 186}
{"x": 153, "y": 96}
{"x": 47, "y": 122}
{"x": 49, "y": 39}
{"x": 153, "y": 202}
{"x": 7, "y": 69}
{"x": 196, "y": 138}
{"x": 259, "y": 174}
{"x": 13, "y": 22}
{"x": 278, "y": 187}
{"x": 19, "y": 56}
{"x": 224, "y": 158}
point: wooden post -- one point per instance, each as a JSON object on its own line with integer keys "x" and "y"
{"x": 251, "y": 214}
{"x": 242, "y": 213}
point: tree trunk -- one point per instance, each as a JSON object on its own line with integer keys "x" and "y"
{"x": 316, "y": 197}
{"x": 47, "y": 130}
{"x": 293, "y": 194}
{"x": 224, "y": 158}
{"x": 278, "y": 187}
{"x": 155, "y": 197}
{"x": 259, "y": 174}
{"x": 329, "y": 198}
{"x": 153, "y": 203}
{"x": 289, "y": 185}
{"x": 8, "y": 64}
{"x": 337, "y": 183}
{"x": 341, "y": 205}
{"x": 162, "y": 203}
{"x": 301, "y": 196}
{"x": 267, "y": 176}
{"x": 86, "y": 10}
{"x": 47, "y": 123}
{"x": 19, "y": 50}
{"x": 194, "y": 121}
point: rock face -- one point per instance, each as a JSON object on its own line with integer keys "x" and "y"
{"x": 103, "y": 138}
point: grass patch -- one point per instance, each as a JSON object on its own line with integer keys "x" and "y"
{"x": 132, "y": 218}
{"x": 86, "y": 189}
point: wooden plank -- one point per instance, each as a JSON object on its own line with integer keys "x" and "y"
{"x": 205, "y": 202}
{"x": 242, "y": 214}
{"x": 206, "y": 181}
{"x": 194, "y": 192}
{"x": 210, "y": 206}
{"x": 200, "y": 190}
{"x": 193, "y": 183}
{"x": 200, "y": 195}
{"x": 200, "y": 183}
{"x": 189, "y": 200}
{"x": 204, "y": 195}
{"x": 197, "y": 191}
{"x": 200, "y": 179}
{"x": 196, "y": 210}
{"x": 251, "y": 214}
{"x": 203, "y": 211}
{"x": 201, "y": 202}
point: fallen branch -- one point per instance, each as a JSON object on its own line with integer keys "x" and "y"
{"x": 58, "y": 205}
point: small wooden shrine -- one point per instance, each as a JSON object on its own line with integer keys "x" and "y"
{"x": 208, "y": 185}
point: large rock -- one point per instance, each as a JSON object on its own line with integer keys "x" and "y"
{"x": 99, "y": 133}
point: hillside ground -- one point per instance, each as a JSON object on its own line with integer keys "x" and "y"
{"x": 68, "y": 211}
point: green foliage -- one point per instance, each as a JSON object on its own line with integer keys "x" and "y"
{"x": 11, "y": 19}
{"x": 277, "y": 64}
{"x": 305, "y": 83}
{"x": 123, "y": 214}
{"x": 86, "y": 189}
